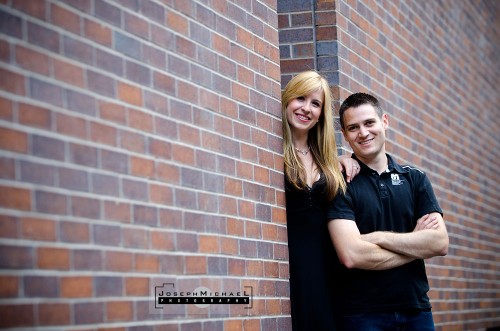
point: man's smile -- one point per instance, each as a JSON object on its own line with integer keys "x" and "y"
{"x": 366, "y": 142}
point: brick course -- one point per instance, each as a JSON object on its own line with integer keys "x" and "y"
{"x": 433, "y": 66}
{"x": 129, "y": 131}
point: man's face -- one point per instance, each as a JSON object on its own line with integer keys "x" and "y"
{"x": 364, "y": 130}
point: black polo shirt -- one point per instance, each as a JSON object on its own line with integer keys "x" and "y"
{"x": 392, "y": 201}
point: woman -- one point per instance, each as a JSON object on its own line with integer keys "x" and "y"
{"x": 313, "y": 177}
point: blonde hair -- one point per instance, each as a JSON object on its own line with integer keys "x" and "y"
{"x": 321, "y": 137}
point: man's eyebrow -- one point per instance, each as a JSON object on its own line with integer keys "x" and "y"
{"x": 363, "y": 121}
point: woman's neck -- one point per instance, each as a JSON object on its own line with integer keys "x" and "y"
{"x": 300, "y": 141}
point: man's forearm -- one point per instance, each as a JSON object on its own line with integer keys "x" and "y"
{"x": 420, "y": 245}
{"x": 374, "y": 257}
{"x": 354, "y": 252}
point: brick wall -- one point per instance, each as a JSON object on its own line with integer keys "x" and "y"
{"x": 140, "y": 144}
{"x": 434, "y": 65}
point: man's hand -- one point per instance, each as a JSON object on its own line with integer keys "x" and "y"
{"x": 427, "y": 222}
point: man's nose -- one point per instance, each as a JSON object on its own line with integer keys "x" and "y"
{"x": 363, "y": 132}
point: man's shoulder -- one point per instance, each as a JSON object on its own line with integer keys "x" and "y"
{"x": 405, "y": 168}
{"x": 412, "y": 169}
{"x": 415, "y": 176}
{"x": 414, "y": 173}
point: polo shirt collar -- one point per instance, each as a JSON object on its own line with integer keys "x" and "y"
{"x": 392, "y": 165}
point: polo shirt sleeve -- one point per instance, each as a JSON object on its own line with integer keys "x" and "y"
{"x": 341, "y": 207}
{"x": 425, "y": 198}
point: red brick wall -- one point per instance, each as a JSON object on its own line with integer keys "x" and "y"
{"x": 435, "y": 67}
{"x": 140, "y": 144}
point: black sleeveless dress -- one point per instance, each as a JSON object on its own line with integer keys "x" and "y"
{"x": 312, "y": 258}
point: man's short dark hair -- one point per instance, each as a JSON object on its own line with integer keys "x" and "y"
{"x": 356, "y": 100}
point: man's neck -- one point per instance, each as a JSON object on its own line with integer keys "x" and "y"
{"x": 378, "y": 163}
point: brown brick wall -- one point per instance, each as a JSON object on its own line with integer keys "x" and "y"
{"x": 435, "y": 67}
{"x": 140, "y": 144}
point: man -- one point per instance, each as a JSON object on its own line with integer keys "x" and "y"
{"x": 383, "y": 227}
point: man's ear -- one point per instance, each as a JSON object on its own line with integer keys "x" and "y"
{"x": 385, "y": 121}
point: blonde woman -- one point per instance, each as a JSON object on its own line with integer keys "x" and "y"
{"x": 313, "y": 178}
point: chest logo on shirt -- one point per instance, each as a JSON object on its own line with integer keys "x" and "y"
{"x": 395, "y": 179}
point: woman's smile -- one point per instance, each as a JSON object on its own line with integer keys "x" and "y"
{"x": 303, "y": 118}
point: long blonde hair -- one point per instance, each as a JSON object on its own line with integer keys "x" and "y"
{"x": 321, "y": 137}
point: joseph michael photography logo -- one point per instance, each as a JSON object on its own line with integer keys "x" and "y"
{"x": 201, "y": 297}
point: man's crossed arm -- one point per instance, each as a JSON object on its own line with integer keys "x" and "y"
{"x": 382, "y": 250}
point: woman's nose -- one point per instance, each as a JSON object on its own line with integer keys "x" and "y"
{"x": 306, "y": 106}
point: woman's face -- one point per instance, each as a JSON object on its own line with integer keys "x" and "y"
{"x": 302, "y": 113}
